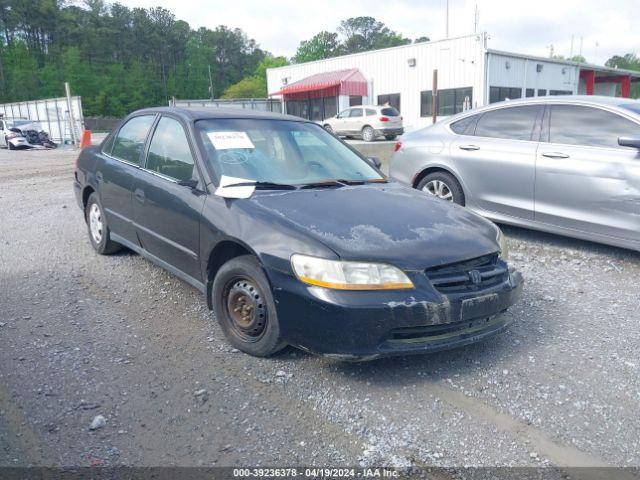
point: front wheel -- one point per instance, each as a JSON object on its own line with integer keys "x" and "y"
{"x": 368, "y": 134}
{"x": 99, "y": 232}
{"x": 328, "y": 128}
{"x": 442, "y": 185}
{"x": 244, "y": 307}
{"x": 9, "y": 145}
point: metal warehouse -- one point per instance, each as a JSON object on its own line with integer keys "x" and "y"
{"x": 468, "y": 75}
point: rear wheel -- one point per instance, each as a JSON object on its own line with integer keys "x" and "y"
{"x": 99, "y": 232}
{"x": 368, "y": 134}
{"x": 244, "y": 307}
{"x": 390, "y": 137}
{"x": 442, "y": 185}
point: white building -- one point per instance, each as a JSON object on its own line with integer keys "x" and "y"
{"x": 468, "y": 75}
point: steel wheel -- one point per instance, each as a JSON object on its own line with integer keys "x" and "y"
{"x": 438, "y": 189}
{"x": 368, "y": 134}
{"x": 95, "y": 223}
{"x": 246, "y": 309}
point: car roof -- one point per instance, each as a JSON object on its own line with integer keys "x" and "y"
{"x": 211, "y": 113}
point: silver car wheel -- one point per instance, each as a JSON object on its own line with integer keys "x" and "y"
{"x": 367, "y": 134}
{"x": 95, "y": 223}
{"x": 439, "y": 189}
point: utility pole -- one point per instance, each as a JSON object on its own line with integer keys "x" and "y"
{"x": 210, "y": 83}
{"x": 476, "y": 19}
{"x": 571, "y": 52}
{"x": 581, "y": 39}
{"x": 447, "y": 26}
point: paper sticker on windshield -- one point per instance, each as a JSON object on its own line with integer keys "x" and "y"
{"x": 229, "y": 140}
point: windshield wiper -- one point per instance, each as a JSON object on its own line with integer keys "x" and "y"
{"x": 263, "y": 185}
{"x": 324, "y": 183}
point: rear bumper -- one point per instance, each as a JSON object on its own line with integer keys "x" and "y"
{"x": 390, "y": 131}
{"x": 364, "y": 325}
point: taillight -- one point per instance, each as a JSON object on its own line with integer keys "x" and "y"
{"x": 397, "y": 146}
{"x": 384, "y": 119}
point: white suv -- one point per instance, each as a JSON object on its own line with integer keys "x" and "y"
{"x": 366, "y": 121}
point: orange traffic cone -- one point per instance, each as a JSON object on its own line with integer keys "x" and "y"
{"x": 86, "y": 138}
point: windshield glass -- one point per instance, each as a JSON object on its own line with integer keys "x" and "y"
{"x": 280, "y": 151}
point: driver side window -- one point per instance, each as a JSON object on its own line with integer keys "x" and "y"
{"x": 344, "y": 113}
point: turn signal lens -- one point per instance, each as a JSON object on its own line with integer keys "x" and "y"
{"x": 504, "y": 248}
{"x": 348, "y": 275}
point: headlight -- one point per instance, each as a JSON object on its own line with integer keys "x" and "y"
{"x": 504, "y": 248}
{"x": 348, "y": 275}
{"x": 13, "y": 135}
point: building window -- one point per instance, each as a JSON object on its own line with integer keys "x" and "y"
{"x": 355, "y": 100}
{"x": 450, "y": 101}
{"x": 542, "y": 92}
{"x": 531, "y": 92}
{"x": 316, "y": 109}
{"x": 393, "y": 99}
{"x": 560, "y": 92}
{"x": 499, "y": 94}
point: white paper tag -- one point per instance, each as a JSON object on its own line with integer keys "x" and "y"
{"x": 228, "y": 140}
{"x": 227, "y": 190}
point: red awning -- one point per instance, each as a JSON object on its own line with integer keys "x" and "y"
{"x": 328, "y": 84}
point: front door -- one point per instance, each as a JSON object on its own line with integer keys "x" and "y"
{"x": 497, "y": 160}
{"x": 166, "y": 213}
{"x": 355, "y": 121}
{"x": 117, "y": 166}
{"x": 584, "y": 180}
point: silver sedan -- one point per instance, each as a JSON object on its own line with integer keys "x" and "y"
{"x": 568, "y": 165}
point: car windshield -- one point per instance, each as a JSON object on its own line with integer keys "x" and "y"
{"x": 280, "y": 152}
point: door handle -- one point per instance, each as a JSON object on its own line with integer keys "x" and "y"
{"x": 139, "y": 194}
{"x": 469, "y": 147}
{"x": 555, "y": 155}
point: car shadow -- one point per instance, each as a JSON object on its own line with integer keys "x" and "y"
{"x": 560, "y": 241}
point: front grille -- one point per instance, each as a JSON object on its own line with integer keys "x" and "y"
{"x": 458, "y": 277}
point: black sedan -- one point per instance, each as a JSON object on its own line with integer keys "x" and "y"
{"x": 293, "y": 236}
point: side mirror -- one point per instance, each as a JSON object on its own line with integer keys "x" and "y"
{"x": 632, "y": 141}
{"x": 191, "y": 183}
{"x": 375, "y": 161}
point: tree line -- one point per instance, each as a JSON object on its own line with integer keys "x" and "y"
{"x": 120, "y": 59}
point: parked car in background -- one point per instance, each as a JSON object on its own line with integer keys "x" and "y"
{"x": 366, "y": 121}
{"x": 293, "y": 236}
{"x": 23, "y": 133}
{"x": 568, "y": 165}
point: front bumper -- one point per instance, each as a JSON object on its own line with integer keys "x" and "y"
{"x": 368, "y": 324}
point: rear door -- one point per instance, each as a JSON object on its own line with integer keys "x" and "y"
{"x": 496, "y": 159}
{"x": 116, "y": 170}
{"x": 167, "y": 214}
{"x": 584, "y": 180}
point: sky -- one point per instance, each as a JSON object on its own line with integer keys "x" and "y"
{"x": 522, "y": 26}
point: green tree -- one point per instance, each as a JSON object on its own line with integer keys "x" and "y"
{"x": 366, "y": 33}
{"x": 322, "y": 45}
{"x": 255, "y": 86}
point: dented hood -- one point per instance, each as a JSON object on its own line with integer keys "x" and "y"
{"x": 387, "y": 223}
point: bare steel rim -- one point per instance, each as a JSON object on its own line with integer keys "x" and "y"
{"x": 95, "y": 223}
{"x": 246, "y": 309}
{"x": 439, "y": 189}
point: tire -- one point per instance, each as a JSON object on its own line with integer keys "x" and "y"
{"x": 10, "y": 145}
{"x": 99, "y": 233}
{"x": 368, "y": 134}
{"x": 442, "y": 185}
{"x": 328, "y": 128}
{"x": 244, "y": 307}
{"x": 391, "y": 137}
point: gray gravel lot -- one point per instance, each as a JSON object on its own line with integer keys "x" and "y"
{"x": 83, "y": 335}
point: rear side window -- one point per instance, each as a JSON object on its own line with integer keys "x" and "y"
{"x": 513, "y": 123}
{"x": 131, "y": 137}
{"x": 169, "y": 152}
{"x": 390, "y": 112}
{"x": 464, "y": 126}
{"x": 576, "y": 125}
{"x": 370, "y": 112}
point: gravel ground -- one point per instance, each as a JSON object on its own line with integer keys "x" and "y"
{"x": 83, "y": 335}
